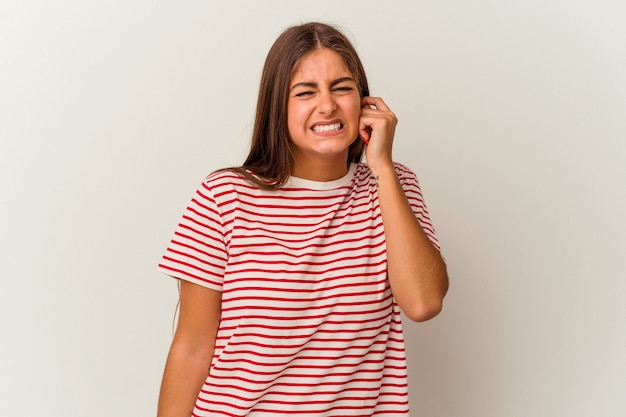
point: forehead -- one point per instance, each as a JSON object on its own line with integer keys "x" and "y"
{"x": 320, "y": 64}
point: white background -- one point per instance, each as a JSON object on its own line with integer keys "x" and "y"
{"x": 512, "y": 113}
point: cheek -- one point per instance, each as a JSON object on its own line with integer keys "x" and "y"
{"x": 296, "y": 116}
{"x": 291, "y": 117}
{"x": 355, "y": 110}
{"x": 353, "y": 103}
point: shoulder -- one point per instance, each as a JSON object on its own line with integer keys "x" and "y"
{"x": 225, "y": 179}
{"x": 406, "y": 176}
{"x": 222, "y": 176}
{"x": 219, "y": 187}
{"x": 403, "y": 171}
{"x": 227, "y": 187}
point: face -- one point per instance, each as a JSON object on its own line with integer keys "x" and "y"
{"x": 323, "y": 110}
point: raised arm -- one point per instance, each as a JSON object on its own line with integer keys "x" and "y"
{"x": 417, "y": 272}
{"x": 191, "y": 351}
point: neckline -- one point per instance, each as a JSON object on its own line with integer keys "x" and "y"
{"x": 296, "y": 182}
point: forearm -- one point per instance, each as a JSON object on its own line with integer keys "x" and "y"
{"x": 184, "y": 375}
{"x": 192, "y": 350}
{"x": 417, "y": 272}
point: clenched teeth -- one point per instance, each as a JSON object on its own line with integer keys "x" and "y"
{"x": 327, "y": 128}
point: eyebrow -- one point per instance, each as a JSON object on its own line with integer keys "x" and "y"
{"x": 333, "y": 83}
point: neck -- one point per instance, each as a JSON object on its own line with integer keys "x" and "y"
{"x": 321, "y": 170}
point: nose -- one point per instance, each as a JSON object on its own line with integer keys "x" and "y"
{"x": 326, "y": 103}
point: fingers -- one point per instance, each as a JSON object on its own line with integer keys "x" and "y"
{"x": 376, "y": 119}
{"x": 365, "y": 134}
{"x": 374, "y": 114}
{"x": 374, "y": 103}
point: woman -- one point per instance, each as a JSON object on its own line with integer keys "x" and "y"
{"x": 294, "y": 267}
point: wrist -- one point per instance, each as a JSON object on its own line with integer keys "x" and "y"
{"x": 383, "y": 170}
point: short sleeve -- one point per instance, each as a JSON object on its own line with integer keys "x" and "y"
{"x": 414, "y": 195}
{"x": 197, "y": 251}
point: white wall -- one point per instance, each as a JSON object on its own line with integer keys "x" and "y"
{"x": 512, "y": 113}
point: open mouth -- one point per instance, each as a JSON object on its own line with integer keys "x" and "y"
{"x": 327, "y": 128}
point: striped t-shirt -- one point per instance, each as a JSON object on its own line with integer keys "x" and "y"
{"x": 309, "y": 326}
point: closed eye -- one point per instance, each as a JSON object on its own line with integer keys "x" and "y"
{"x": 344, "y": 89}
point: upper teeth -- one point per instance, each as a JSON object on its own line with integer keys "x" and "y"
{"x": 327, "y": 128}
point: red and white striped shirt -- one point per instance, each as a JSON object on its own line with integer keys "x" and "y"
{"x": 309, "y": 326}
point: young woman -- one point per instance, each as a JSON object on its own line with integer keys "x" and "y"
{"x": 294, "y": 267}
